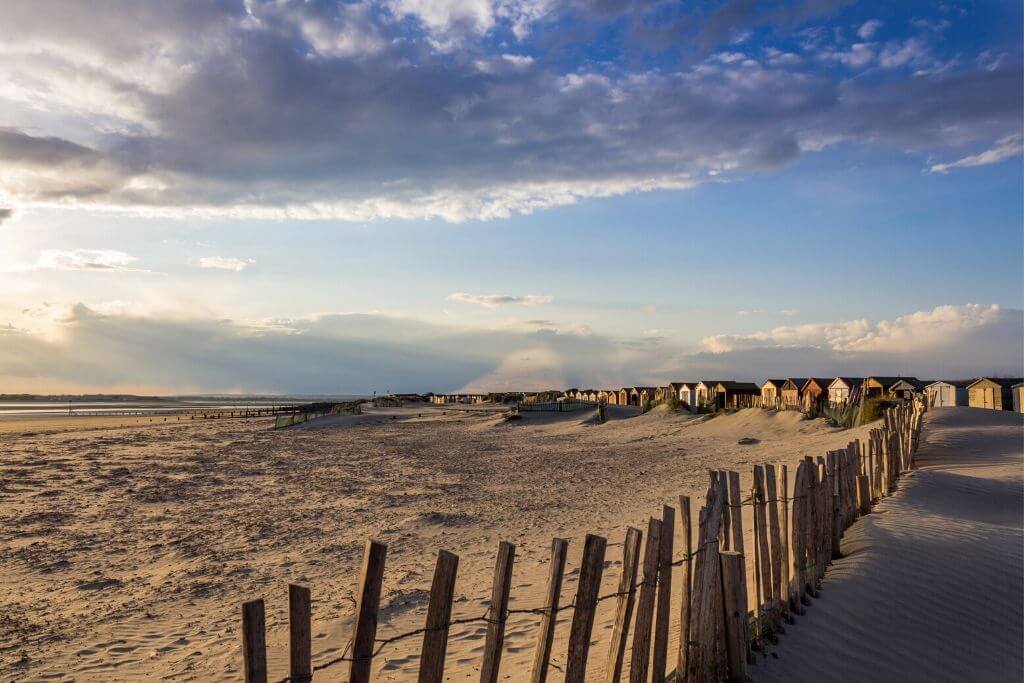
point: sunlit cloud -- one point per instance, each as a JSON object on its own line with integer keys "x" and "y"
{"x": 225, "y": 263}
{"x": 1007, "y": 148}
{"x": 495, "y": 300}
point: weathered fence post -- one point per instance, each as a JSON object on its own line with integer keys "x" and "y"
{"x": 498, "y": 612}
{"x": 662, "y": 613}
{"x": 439, "y": 613}
{"x": 762, "y": 556}
{"x": 784, "y": 583}
{"x": 591, "y": 569}
{"x": 734, "y": 594}
{"x": 641, "y": 653}
{"x": 367, "y": 605}
{"x": 300, "y": 635}
{"x": 799, "y": 534}
{"x": 548, "y": 620}
{"x": 775, "y": 541}
{"x": 254, "y": 641}
{"x": 683, "y": 657}
{"x": 707, "y": 661}
{"x": 624, "y": 606}
{"x": 727, "y": 511}
{"x": 736, "y": 503}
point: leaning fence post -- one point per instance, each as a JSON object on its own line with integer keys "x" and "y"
{"x": 663, "y": 610}
{"x": 439, "y": 613}
{"x": 498, "y": 611}
{"x": 734, "y": 594}
{"x": 254, "y": 641}
{"x": 682, "y": 660}
{"x": 546, "y": 631}
{"x": 640, "y": 656}
{"x": 300, "y": 640}
{"x": 624, "y": 607}
{"x": 367, "y": 605}
{"x": 586, "y": 605}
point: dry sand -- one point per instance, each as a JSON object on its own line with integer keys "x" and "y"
{"x": 930, "y": 585}
{"x": 126, "y": 553}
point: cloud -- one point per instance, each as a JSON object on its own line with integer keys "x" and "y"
{"x": 491, "y": 108}
{"x": 790, "y": 312}
{"x": 495, "y": 300}
{"x": 869, "y": 28}
{"x": 1007, "y": 148}
{"x": 226, "y": 263}
{"x": 100, "y": 260}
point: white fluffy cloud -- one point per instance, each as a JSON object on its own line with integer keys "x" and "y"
{"x": 495, "y": 300}
{"x": 1007, "y": 148}
{"x": 226, "y": 263}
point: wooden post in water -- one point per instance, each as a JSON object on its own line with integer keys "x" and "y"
{"x": 546, "y": 630}
{"x": 734, "y": 594}
{"x": 640, "y": 656}
{"x": 254, "y": 641}
{"x": 624, "y": 604}
{"x": 367, "y": 604}
{"x": 498, "y": 612}
{"x": 663, "y": 610}
{"x": 586, "y": 605}
{"x": 439, "y": 613}
{"x": 682, "y": 658}
{"x": 300, "y": 635}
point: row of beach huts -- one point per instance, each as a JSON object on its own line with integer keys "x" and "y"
{"x": 796, "y": 393}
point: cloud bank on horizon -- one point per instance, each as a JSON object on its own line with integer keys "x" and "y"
{"x": 477, "y": 109}
{"x": 109, "y": 348}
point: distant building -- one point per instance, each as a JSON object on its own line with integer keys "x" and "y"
{"x": 1018, "y": 397}
{"x": 705, "y": 390}
{"x": 771, "y": 391}
{"x": 994, "y": 393}
{"x": 687, "y": 393}
{"x": 814, "y": 388}
{"x": 883, "y": 386}
{"x": 624, "y": 396}
{"x": 792, "y": 391}
{"x": 906, "y": 388}
{"x": 844, "y": 389}
{"x": 736, "y": 394}
{"x": 947, "y": 393}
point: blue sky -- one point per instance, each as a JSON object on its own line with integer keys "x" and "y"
{"x": 529, "y": 193}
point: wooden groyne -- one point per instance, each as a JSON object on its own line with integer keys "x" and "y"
{"x": 722, "y": 624}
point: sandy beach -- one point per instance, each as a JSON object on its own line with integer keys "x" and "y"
{"x": 930, "y": 584}
{"x": 127, "y": 552}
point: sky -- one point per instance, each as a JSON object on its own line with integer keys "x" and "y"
{"x": 284, "y": 196}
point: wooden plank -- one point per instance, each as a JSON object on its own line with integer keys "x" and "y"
{"x": 736, "y": 501}
{"x": 799, "y": 538}
{"x": 663, "y": 610}
{"x": 774, "y": 538}
{"x": 254, "y": 641}
{"x": 707, "y": 660}
{"x": 864, "y": 494}
{"x": 549, "y": 619}
{"x": 300, "y": 640}
{"x": 734, "y": 594}
{"x": 639, "y": 662}
{"x": 439, "y": 614}
{"x": 685, "y": 599}
{"x": 761, "y": 531}
{"x": 495, "y": 640}
{"x": 367, "y": 604}
{"x": 786, "y": 590}
{"x": 591, "y": 569}
{"x": 624, "y": 604}
{"x": 727, "y": 512}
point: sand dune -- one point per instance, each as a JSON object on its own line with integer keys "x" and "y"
{"x": 126, "y": 553}
{"x": 930, "y": 585}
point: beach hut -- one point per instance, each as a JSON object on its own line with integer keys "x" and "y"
{"x": 906, "y": 388}
{"x": 624, "y": 396}
{"x": 1018, "y": 397}
{"x": 612, "y": 397}
{"x": 705, "y": 390}
{"x": 995, "y": 393}
{"x": 844, "y": 389}
{"x": 947, "y": 393}
{"x": 659, "y": 393}
{"x": 731, "y": 394}
{"x": 771, "y": 391}
{"x": 882, "y": 386}
{"x": 814, "y": 388}
{"x": 688, "y": 394}
{"x": 645, "y": 395}
{"x": 791, "y": 391}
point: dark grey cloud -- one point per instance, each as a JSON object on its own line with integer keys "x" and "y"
{"x": 360, "y": 110}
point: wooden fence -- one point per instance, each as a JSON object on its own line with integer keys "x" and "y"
{"x": 721, "y": 626}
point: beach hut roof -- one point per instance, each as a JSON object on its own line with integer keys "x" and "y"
{"x": 774, "y": 382}
{"x": 1005, "y": 382}
{"x": 851, "y": 382}
{"x": 958, "y": 383}
{"x": 797, "y": 382}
